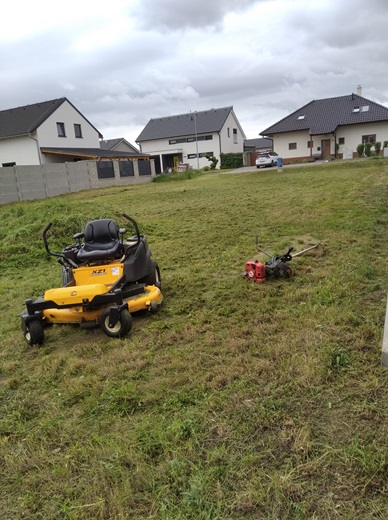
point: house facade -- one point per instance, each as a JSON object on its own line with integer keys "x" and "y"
{"x": 52, "y": 132}
{"x": 329, "y": 127}
{"x": 188, "y": 138}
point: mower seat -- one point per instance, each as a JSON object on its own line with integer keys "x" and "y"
{"x": 101, "y": 241}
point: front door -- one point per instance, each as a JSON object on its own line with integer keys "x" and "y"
{"x": 325, "y": 147}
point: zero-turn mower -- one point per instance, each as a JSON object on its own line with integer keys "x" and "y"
{"x": 105, "y": 276}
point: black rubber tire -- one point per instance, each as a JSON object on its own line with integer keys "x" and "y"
{"x": 122, "y": 327}
{"x": 33, "y": 332}
{"x": 154, "y": 277}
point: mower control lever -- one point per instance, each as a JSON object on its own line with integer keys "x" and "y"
{"x": 58, "y": 255}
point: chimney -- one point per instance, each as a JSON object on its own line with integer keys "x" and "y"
{"x": 359, "y": 90}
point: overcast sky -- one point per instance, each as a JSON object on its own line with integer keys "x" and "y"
{"x": 123, "y": 62}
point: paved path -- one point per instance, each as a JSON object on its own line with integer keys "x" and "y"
{"x": 253, "y": 168}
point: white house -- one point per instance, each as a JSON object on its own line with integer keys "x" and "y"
{"x": 329, "y": 127}
{"x": 52, "y": 132}
{"x": 188, "y": 138}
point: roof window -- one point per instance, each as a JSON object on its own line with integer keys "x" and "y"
{"x": 363, "y": 108}
{"x": 302, "y": 116}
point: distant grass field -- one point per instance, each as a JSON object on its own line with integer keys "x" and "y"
{"x": 236, "y": 400}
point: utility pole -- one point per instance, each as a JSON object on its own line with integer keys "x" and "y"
{"x": 196, "y": 138}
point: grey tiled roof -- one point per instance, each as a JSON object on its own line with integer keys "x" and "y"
{"x": 207, "y": 121}
{"x": 108, "y": 144}
{"x": 111, "y": 144}
{"x": 24, "y": 120}
{"x": 323, "y": 116}
{"x": 257, "y": 144}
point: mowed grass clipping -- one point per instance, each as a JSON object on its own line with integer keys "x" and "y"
{"x": 236, "y": 400}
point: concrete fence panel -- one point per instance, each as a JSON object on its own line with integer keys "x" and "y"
{"x": 19, "y": 183}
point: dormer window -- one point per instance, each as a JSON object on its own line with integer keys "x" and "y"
{"x": 301, "y": 117}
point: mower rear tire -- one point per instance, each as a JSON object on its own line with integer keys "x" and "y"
{"x": 121, "y": 328}
{"x": 154, "y": 277}
{"x": 33, "y": 332}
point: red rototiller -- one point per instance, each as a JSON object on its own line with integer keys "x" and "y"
{"x": 276, "y": 267}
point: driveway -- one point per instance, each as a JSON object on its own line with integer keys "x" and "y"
{"x": 253, "y": 168}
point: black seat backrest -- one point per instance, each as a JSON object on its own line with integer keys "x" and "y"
{"x": 101, "y": 240}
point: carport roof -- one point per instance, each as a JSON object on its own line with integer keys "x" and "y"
{"x": 94, "y": 153}
{"x": 324, "y": 116}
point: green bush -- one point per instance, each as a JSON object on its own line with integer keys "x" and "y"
{"x": 368, "y": 147}
{"x": 231, "y": 160}
{"x": 377, "y": 147}
{"x": 360, "y": 150}
{"x": 213, "y": 161}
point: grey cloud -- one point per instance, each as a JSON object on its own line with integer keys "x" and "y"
{"x": 179, "y": 14}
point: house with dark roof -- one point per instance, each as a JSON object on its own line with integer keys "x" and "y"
{"x": 52, "y": 132}
{"x": 329, "y": 127}
{"x": 188, "y": 138}
{"x": 118, "y": 145}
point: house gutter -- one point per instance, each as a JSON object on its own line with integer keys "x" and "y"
{"x": 37, "y": 146}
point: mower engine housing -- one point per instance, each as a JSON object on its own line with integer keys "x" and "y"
{"x": 255, "y": 271}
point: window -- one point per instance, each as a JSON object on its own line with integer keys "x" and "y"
{"x": 105, "y": 170}
{"x": 61, "y": 129}
{"x": 144, "y": 167}
{"x": 369, "y": 139}
{"x": 310, "y": 144}
{"x": 228, "y": 132}
{"x": 365, "y": 108}
{"x": 77, "y": 130}
{"x": 126, "y": 169}
{"x": 8, "y": 164}
{"x": 341, "y": 140}
{"x": 292, "y": 146}
{"x": 301, "y": 117}
{"x": 235, "y": 135}
{"x": 201, "y": 154}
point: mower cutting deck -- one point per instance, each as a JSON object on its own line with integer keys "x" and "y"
{"x": 105, "y": 279}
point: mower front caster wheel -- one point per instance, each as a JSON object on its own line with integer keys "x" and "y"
{"x": 121, "y": 328}
{"x": 33, "y": 332}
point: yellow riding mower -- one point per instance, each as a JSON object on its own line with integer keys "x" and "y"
{"x": 105, "y": 278}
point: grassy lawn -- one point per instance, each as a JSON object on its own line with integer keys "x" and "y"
{"x": 236, "y": 400}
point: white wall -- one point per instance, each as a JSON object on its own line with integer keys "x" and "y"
{"x": 162, "y": 147}
{"x": 20, "y": 150}
{"x": 228, "y": 144}
{"x": 281, "y": 144}
{"x": 352, "y": 134}
{"x": 48, "y": 135}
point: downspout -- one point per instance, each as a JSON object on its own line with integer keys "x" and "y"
{"x": 219, "y": 145}
{"x": 37, "y": 146}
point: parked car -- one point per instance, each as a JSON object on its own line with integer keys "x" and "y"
{"x": 266, "y": 159}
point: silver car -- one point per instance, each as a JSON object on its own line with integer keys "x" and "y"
{"x": 266, "y": 159}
